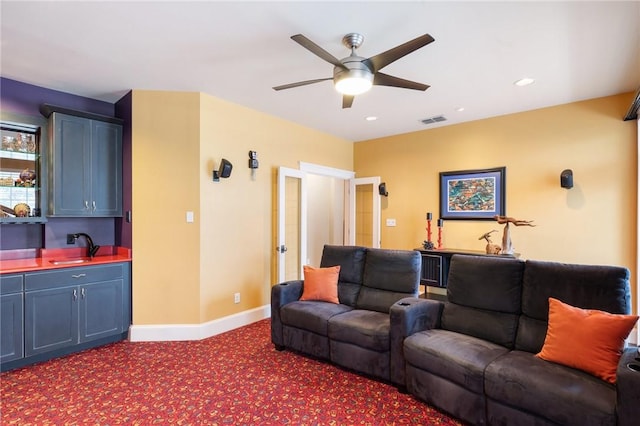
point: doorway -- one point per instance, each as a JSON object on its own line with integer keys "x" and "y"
{"x": 317, "y": 205}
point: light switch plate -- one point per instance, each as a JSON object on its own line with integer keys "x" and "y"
{"x": 189, "y": 217}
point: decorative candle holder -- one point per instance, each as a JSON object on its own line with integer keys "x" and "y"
{"x": 440, "y": 224}
{"x": 427, "y": 244}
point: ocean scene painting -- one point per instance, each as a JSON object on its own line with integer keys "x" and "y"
{"x": 475, "y": 194}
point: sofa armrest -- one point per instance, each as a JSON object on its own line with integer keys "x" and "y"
{"x": 628, "y": 387}
{"x": 281, "y": 294}
{"x": 408, "y": 316}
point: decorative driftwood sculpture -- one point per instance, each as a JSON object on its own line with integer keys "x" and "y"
{"x": 491, "y": 248}
{"x": 507, "y": 245}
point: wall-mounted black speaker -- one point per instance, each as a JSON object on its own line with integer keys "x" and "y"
{"x": 382, "y": 189}
{"x": 566, "y": 179}
{"x": 224, "y": 170}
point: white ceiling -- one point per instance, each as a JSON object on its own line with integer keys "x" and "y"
{"x": 239, "y": 50}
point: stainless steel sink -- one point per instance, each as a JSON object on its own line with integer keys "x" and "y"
{"x": 69, "y": 261}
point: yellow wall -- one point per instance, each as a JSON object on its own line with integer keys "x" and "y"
{"x": 187, "y": 273}
{"x": 166, "y": 183}
{"x": 594, "y": 222}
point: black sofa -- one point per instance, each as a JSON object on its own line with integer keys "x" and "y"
{"x": 473, "y": 356}
{"x": 355, "y": 333}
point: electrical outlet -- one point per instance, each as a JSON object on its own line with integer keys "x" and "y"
{"x": 236, "y": 298}
{"x": 71, "y": 239}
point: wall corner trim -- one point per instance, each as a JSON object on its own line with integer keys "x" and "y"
{"x": 177, "y": 332}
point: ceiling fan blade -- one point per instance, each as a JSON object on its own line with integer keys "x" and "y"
{"x": 347, "y": 101}
{"x": 301, "y": 83}
{"x": 380, "y": 79}
{"x": 317, "y": 50}
{"x": 385, "y": 58}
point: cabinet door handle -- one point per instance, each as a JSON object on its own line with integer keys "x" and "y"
{"x": 86, "y": 205}
{"x": 75, "y": 294}
{"x": 78, "y": 276}
{"x": 93, "y": 204}
{"x": 82, "y": 293}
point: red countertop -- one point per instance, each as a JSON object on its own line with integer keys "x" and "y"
{"x": 109, "y": 254}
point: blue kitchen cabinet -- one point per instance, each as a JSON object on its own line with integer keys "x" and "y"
{"x": 86, "y": 164}
{"x": 11, "y": 318}
{"x": 66, "y": 310}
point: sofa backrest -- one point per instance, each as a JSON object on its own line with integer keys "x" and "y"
{"x": 484, "y": 297}
{"x": 605, "y": 288}
{"x": 389, "y": 275}
{"x": 351, "y": 260}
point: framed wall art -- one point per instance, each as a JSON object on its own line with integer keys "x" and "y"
{"x": 472, "y": 194}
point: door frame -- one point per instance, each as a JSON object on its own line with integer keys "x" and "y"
{"x": 283, "y": 173}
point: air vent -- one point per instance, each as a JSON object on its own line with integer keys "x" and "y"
{"x": 431, "y": 120}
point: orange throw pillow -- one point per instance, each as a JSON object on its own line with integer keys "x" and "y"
{"x": 586, "y": 339}
{"x": 321, "y": 284}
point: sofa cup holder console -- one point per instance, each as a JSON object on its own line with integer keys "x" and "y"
{"x": 633, "y": 366}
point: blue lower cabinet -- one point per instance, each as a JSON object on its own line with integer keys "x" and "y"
{"x": 11, "y": 317}
{"x": 101, "y": 307}
{"x": 51, "y": 319}
{"x": 65, "y": 311}
{"x": 11, "y": 324}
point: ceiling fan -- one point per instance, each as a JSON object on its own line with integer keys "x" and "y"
{"x": 354, "y": 74}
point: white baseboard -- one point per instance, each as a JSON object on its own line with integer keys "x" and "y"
{"x": 170, "y": 332}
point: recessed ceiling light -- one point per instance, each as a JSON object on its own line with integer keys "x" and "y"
{"x": 460, "y": 109}
{"x": 524, "y": 81}
{"x": 371, "y": 118}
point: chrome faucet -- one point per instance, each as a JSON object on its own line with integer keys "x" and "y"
{"x": 92, "y": 248}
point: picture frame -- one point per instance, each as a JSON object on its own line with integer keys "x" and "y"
{"x": 472, "y": 194}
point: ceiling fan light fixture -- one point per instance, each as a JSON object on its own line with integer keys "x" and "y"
{"x": 353, "y": 85}
{"x": 354, "y": 81}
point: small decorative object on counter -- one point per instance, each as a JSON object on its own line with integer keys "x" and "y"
{"x": 22, "y": 210}
{"x": 440, "y": 225}
{"x": 7, "y": 181}
{"x": 491, "y": 248}
{"x": 427, "y": 244}
{"x": 507, "y": 245}
{"x": 27, "y": 178}
{"x": 27, "y": 175}
{"x": 6, "y": 211}
{"x": 21, "y": 142}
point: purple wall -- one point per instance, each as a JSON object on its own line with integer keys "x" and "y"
{"x": 23, "y": 98}
{"x": 124, "y": 110}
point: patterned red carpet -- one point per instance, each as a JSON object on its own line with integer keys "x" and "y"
{"x": 236, "y": 378}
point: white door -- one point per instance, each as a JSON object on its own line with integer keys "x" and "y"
{"x": 364, "y": 212}
{"x": 292, "y": 223}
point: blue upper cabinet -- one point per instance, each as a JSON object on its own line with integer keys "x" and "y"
{"x": 86, "y": 166}
{"x": 106, "y": 168}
